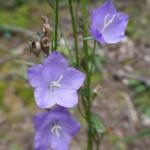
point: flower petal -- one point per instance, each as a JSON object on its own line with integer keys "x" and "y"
{"x": 97, "y": 35}
{"x": 60, "y": 143}
{"x": 115, "y": 32}
{"x": 52, "y": 71}
{"x": 72, "y": 79}
{"x": 66, "y": 97}
{"x": 35, "y": 76}
{"x": 100, "y": 13}
{"x": 71, "y": 126}
{"x": 56, "y": 57}
{"x": 42, "y": 140}
{"x": 44, "y": 98}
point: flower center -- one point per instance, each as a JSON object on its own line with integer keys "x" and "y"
{"x": 56, "y": 84}
{"x": 108, "y": 20}
{"x": 56, "y": 129}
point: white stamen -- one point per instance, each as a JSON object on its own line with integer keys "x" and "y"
{"x": 60, "y": 78}
{"x": 56, "y": 84}
{"x": 108, "y": 21}
{"x": 56, "y": 130}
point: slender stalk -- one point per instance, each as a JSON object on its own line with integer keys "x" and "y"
{"x": 56, "y": 24}
{"x": 52, "y": 42}
{"x": 85, "y": 44}
{"x": 88, "y": 84}
{"x": 74, "y": 33}
{"x": 93, "y": 54}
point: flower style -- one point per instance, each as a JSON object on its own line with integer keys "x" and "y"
{"x": 54, "y": 129}
{"x": 55, "y": 82}
{"x": 108, "y": 25}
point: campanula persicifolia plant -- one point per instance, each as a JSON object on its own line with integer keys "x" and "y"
{"x": 56, "y": 83}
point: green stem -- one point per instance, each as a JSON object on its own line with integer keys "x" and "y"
{"x": 56, "y": 24}
{"x": 88, "y": 83}
{"x": 85, "y": 44}
{"x": 93, "y": 56}
{"x": 74, "y": 33}
{"x": 52, "y": 43}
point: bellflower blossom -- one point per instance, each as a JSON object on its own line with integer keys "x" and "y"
{"x": 55, "y": 82}
{"x": 54, "y": 129}
{"x": 108, "y": 25}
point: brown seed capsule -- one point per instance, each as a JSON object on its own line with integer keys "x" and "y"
{"x": 41, "y": 41}
{"x": 35, "y": 48}
{"x": 45, "y": 42}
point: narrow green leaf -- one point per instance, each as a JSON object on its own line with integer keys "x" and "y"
{"x": 88, "y": 38}
{"x": 97, "y": 124}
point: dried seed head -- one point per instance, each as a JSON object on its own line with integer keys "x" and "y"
{"x": 35, "y": 46}
{"x": 46, "y": 28}
{"x": 45, "y": 42}
{"x": 41, "y": 41}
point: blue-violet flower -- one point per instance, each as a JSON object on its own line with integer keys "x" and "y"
{"x": 54, "y": 129}
{"x": 54, "y": 82}
{"x": 108, "y": 25}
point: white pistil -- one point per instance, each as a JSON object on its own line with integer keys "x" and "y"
{"x": 56, "y": 84}
{"x": 108, "y": 21}
{"x": 56, "y": 130}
